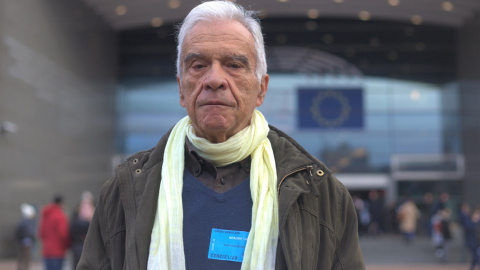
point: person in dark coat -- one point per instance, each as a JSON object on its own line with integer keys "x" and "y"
{"x": 377, "y": 215}
{"x": 78, "y": 232}
{"x": 25, "y": 236}
{"x": 79, "y": 225}
{"x": 471, "y": 226}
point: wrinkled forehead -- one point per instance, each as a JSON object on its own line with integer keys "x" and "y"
{"x": 219, "y": 34}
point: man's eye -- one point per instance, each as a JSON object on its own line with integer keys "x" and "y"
{"x": 198, "y": 66}
{"x": 235, "y": 65}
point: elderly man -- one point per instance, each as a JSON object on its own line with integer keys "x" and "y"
{"x": 223, "y": 189}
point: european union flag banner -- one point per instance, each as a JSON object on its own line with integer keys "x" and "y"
{"x": 330, "y": 108}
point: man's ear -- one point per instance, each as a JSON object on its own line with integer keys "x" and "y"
{"x": 263, "y": 90}
{"x": 180, "y": 92}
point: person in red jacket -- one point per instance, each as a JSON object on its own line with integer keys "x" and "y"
{"x": 54, "y": 234}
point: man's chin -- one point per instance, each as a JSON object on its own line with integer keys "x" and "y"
{"x": 215, "y": 121}
{"x": 214, "y": 130}
{"x": 215, "y": 127}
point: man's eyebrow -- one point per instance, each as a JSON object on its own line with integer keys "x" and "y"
{"x": 191, "y": 56}
{"x": 241, "y": 58}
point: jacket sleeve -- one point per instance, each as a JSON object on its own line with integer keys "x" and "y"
{"x": 348, "y": 251}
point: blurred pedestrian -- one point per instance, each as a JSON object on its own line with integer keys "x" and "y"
{"x": 391, "y": 225}
{"x": 25, "y": 236}
{"x": 363, "y": 214}
{"x": 476, "y": 221}
{"x": 79, "y": 225}
{"x": 407, "y": 216}
{"x": 54, "y": 234}
{"x": 426, "y": 210}
{"x": 377, "y": 214}
{"x": 441, "y": 233}
{"x": 445, "y": 202}
{"x": 464, "y": 219}
{"x": 471, "y": 226}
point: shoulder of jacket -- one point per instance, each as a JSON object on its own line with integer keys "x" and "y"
{"x": 144, "y": 160}
{"x": 289, "y": 152}
{"x": 135, "y": 163}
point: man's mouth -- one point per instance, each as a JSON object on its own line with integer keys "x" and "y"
{"x": 215, "y": 103}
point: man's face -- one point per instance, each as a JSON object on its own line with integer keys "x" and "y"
{"x": 218, "y": 86}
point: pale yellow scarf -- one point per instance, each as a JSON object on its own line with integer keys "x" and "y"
{"x": 166, "y": 246}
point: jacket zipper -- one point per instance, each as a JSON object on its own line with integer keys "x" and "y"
{"x": 307, "y": 181}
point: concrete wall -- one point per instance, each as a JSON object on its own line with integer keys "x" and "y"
{"x": 469, "y": 82}
{"x": 57, "y": 80}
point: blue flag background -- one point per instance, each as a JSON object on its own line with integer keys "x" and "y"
{"x": 330, "y": 108}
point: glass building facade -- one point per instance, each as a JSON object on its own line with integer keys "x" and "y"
{"x": 365, "y": 98}
{"x": 398, "y": 117}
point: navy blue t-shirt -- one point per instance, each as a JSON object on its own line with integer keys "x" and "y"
{"x": 204, "y": 210}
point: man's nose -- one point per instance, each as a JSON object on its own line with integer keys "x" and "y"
{"x": 215, "y": 78}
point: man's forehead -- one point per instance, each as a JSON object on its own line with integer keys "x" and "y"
{"x": 206, "y": 38}
{"x": 222, "y": 31}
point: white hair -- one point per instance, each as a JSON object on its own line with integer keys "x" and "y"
{"x": 28, "y": 210}
{"x": 222, "y": 11}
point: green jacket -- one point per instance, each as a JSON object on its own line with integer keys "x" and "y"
{"x": 317, "y": 219}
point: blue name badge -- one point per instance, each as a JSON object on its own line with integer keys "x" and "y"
{"x": 227, "y": 245}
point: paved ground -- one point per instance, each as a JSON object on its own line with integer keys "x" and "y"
{"x": 380, "y": 253}
{"x": 392, "y": 253}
